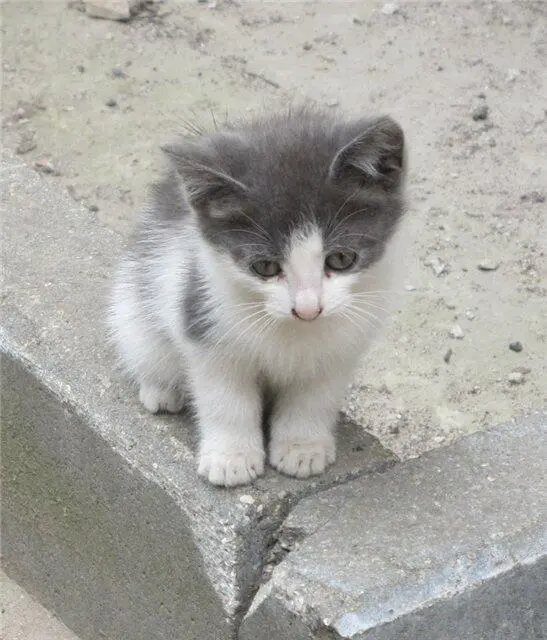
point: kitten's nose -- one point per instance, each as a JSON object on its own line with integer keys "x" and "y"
{"x": 306, "y": 305}
{"x": 307, "y": 314}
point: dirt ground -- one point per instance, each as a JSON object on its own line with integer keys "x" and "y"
{"x": 90, "y": 101}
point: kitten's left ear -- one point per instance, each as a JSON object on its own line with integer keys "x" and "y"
{"x": 205, "y": 168}
{"x": 375, "y": 157}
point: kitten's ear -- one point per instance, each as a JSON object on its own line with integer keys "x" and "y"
{"x": 374, "y": 157}
{"x": 209, "y": 187}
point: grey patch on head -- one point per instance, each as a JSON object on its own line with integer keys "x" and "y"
{"x": 255, "y": 184}
{"x": 196, "y": 307}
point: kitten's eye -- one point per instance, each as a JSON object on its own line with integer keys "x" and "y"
{"x": 340, "y": 260}
{"x": 266, "y": 268}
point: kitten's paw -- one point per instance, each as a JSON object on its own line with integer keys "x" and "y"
{"x": 231, "y": 469}
{"x": 303, "y": 459}
{"x": 156, "y": 399}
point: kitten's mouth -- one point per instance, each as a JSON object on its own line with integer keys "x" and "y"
{"x": 307, "y": 315}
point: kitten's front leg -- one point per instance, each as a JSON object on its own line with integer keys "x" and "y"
{"x": 229, "y": 412}
{"x": 302, "y": 439}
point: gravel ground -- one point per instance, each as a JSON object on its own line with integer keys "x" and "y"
{"x": 88, "y": 102}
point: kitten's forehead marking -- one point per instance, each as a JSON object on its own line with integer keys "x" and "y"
{"x": 305, "y": 245}
{"x": 305, "y": 260}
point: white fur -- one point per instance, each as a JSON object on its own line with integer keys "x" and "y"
{"x": 308, "y": 363}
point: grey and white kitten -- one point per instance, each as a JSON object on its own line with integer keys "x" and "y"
{"x": 257, "y": 271}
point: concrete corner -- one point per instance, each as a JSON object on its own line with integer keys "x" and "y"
{"x": 104, "y": 520}
{"x": 452, "y": 545}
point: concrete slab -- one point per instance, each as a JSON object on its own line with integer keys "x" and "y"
{"x": 450, "y": 546}
{"x": 25, "y": 619}
{"x": 104, "y": 519}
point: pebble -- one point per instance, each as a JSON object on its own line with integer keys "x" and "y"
{"x": 448, "y": 355}
{"x": 480, "y": 112}
{"x": 516, "y": 377}
{"x": 533, "y": 196}
{"x": 118, "y": 73}
{"x": 111, "y": 9}
{"x": 488, "y": 265}
{"x": 390, "y": 8}
{"x": 247, "y": 499}
{"x": 439, "y": 267}
{"x": 111, "y": 102}
{"x": 410, "y": 287}
{"x": 27, "y": 142}
{"x": 306, "y": 46}
{"x": 45, "y": 166}
{"x": 456, "y": 332}
{"x": 516, "y": 346}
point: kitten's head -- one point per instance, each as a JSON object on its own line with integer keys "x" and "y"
{"x": 298, "y": 206}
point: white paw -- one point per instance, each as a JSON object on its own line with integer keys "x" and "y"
{"x": 157, "y": 399}
{"x": 231, "y": 469}
{"x": 303, "y": 459}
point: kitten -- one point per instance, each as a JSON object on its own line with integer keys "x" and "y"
{"x": 259, "y": 270}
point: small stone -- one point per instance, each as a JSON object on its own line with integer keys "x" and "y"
{"x": 390, "y": 8}
{"x": 118, "y": 73}
{"x": 357, "y": 21}
{"x": 480, "y": 112}
{"x": 26, "y": 143}
{"x": 533, "y": 196}
{"x": 81, "y": 68}
{"x": 456, "y": 332}
{"x": 307, "y": 46}
{"x": 410, "y": 287}
{"x": 512, "y": 75}
{"x": 469, "y": 315}
{"x": 516, "y": 346}
{"x": 93, "y": 208}
{"x": 438, "y": 266}
{"x": 515, "y": 377}
{"x": 45, "y": 166}
{"x": 488, "y": 265}
{"x": 246, "y": 499}
{"x": 111, "y": 9}
{"x": 448, "y": 355}
{"x": 111, "y": 103}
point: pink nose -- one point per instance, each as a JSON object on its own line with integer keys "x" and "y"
{"x": 308, "y": 314}
{"x": 307, "y": 305}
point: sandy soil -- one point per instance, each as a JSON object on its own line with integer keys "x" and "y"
{"x": 466, "y": 80}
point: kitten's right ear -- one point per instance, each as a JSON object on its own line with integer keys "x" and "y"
{"x": 375, "y": 157}
{"x": 209, "y": 188}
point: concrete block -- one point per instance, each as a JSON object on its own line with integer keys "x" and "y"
{"x": 104, "y": 519}
{"x": 451, "y": 546}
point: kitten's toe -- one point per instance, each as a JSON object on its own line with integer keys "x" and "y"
{"x": 156, "y": 399}
{"x": 229, "y": 470}
{"x": 303, "y": 459}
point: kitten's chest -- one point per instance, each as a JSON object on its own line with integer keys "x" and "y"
{"x": 299, "y": 355}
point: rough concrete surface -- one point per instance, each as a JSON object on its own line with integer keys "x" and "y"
{"x": 91, "y": 100}
{"x": 452, "y": 546}
{"x": 104, "y": 518}
{"x": 22, "y": 618}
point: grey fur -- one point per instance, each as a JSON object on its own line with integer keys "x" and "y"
{"x": 277, "y": 173}
{"x": 196, "y": 307}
